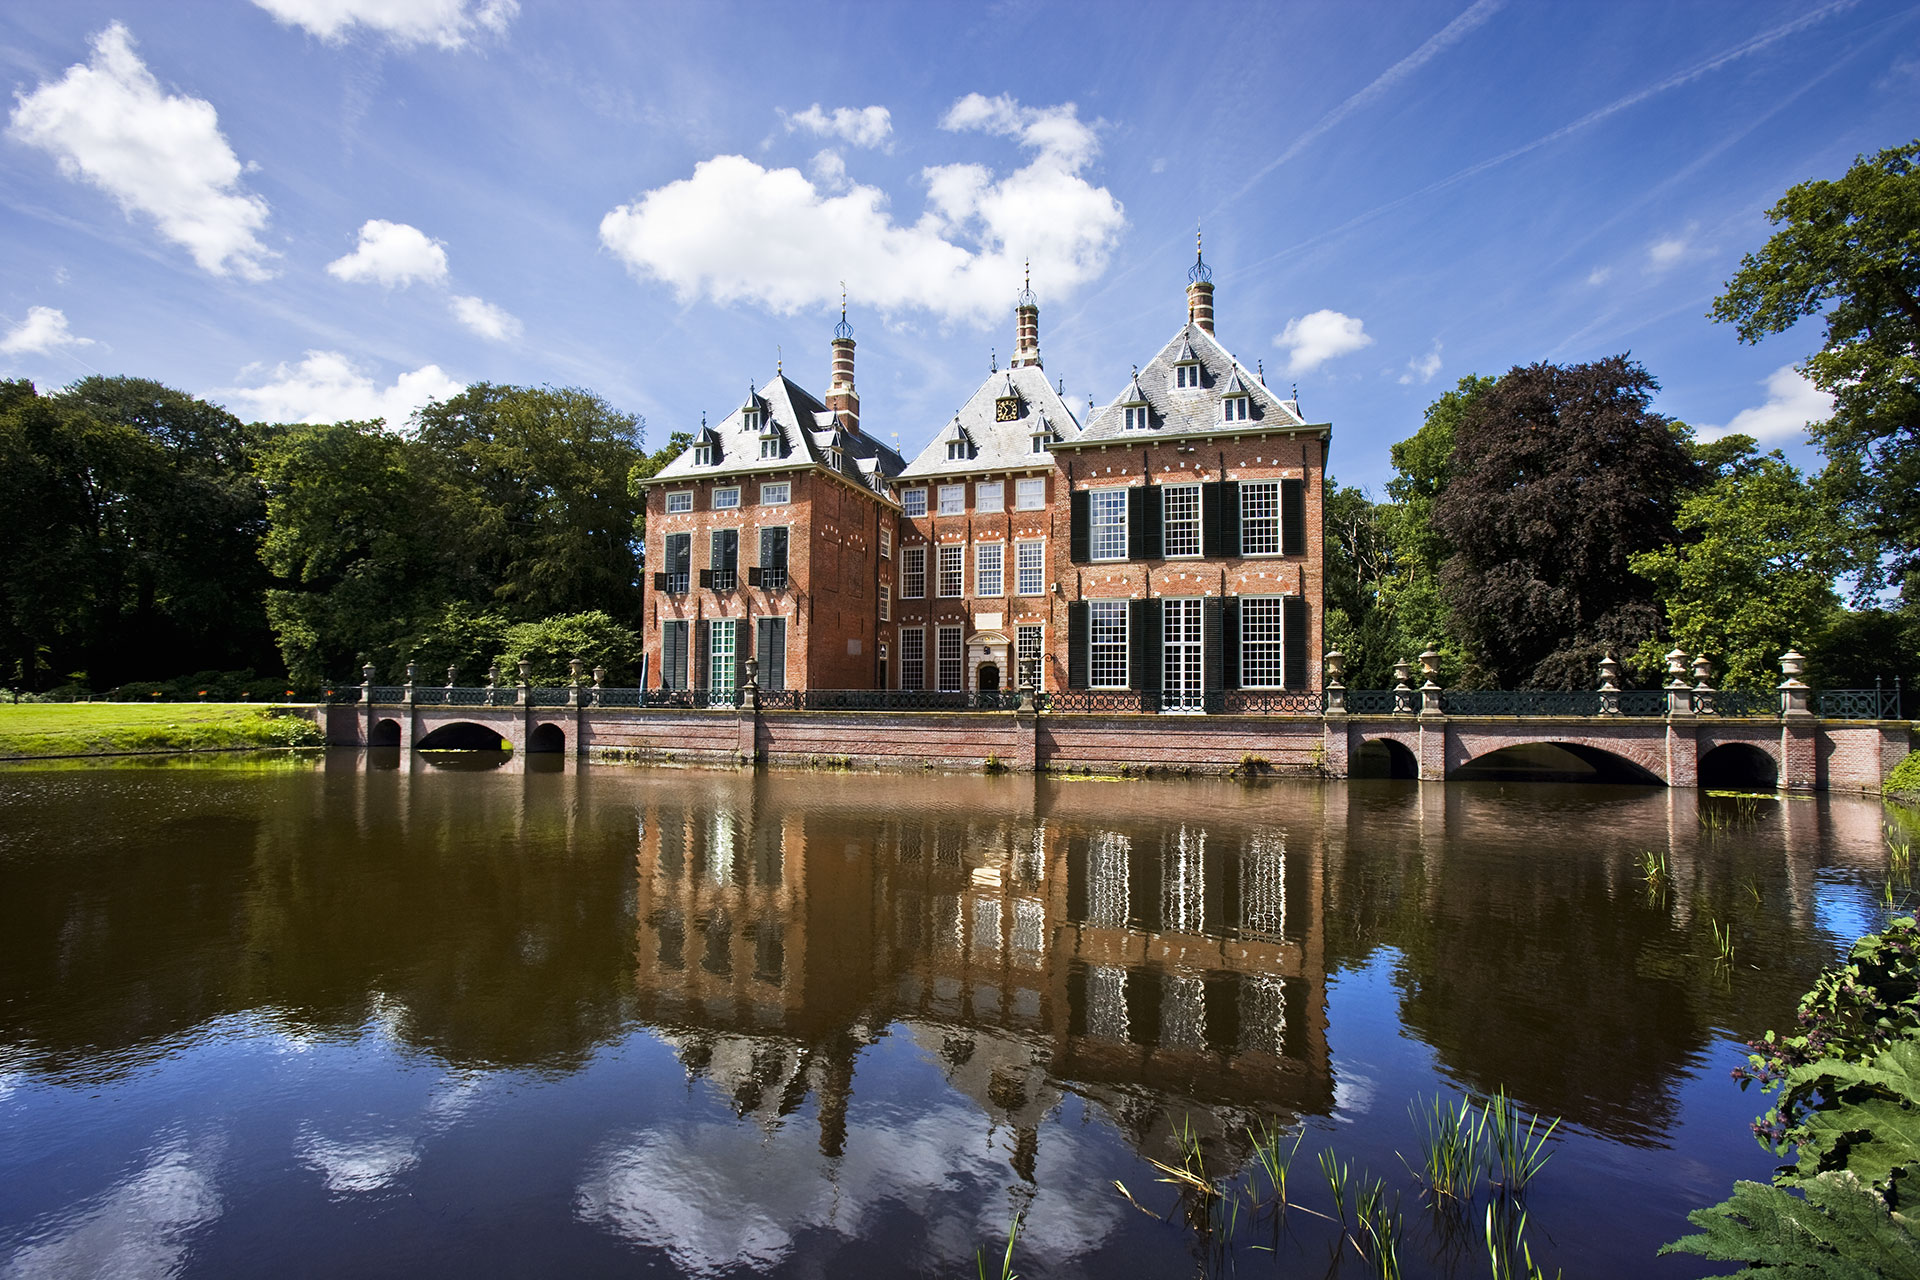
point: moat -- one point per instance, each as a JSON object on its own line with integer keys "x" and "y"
{"x": 307, "y": 1016}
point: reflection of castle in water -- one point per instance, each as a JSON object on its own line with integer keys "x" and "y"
{"x": 1170, "y": 975}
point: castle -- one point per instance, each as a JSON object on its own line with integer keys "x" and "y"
{"x": 1166, "y": 551}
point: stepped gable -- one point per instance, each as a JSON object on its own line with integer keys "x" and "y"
{"x": 808, "y": 431}
{"x": 1000, "y": 446}
{"x": 1192, "y": 411}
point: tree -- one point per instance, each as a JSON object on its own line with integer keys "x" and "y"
{"x": 1851, "y": 249}
{"x": 550, "y": 645}
{"x": 1752, "y": 574}
{"x": 1558, "y": 476}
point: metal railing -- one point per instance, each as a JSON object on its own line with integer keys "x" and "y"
{"x": 1643, "y": 702}
{"x": 1266, "y": 702}
{"x": 1859, "y": 704}
{"x": 1736, "y": 702}
{"x": 1520, "y": 702}
{"x": 1378, "y": 702}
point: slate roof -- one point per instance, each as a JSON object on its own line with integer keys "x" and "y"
{"x": 809, "y": 429}
{"x": 999, "y": 446}
{"x": 1192, "y": 410}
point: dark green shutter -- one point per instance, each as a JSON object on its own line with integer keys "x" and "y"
{"x": 1293, "y": 638}
{"x": 1212, "y": 650}
{"x": 1137, "y": 547}
{"x": 1077, "y": 639}
{"x": 770, "y": 646}
{"x": 673, "y": 655}
{"x": 1153, "y": 538}
{"x": 697, "y": 678}
{"x": 1220, "y": 518}
{"x": 1230, "y": 643}
{"x": 1144, "y": 643}
{"x": 1293, "y": 518}
{"x": 679, "y": 553}
{"x": 1077, "y": 527}
{"x": 741, "y": 638}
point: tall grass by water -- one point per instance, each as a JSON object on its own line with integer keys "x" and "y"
{"x": 31, "y": 730}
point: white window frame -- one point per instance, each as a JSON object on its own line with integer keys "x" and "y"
{"x": 1107, "y": 523}
{"x": 730, "y": 628}
{"x": 913, "y": 573}
{"x": 1040, "y": 442}
{"x": 726, "y": 499}
{"x": 989, "y": 569}
{"x": 1172, "y": 496}
{"x": 886, "y": 544}
{"x": 1029, "y": 654}
{"x": 680, "y": 500}
{"x": 1030, "y": 493}
{"x": 1263, "y": 642}
{"x": 703, "y": 454}
{"x": 749, "y": 419}
{"x": 990, "y": 496}
{"x": 1138, "y": 417}
{"x": 950, "y": 653}
{"x": 1107, "y": 640}
{"x": 1259, "y": 517}
{"x": 913, "y": 502}
{"x": 952, "y": 500}
{"x": 913, "y": 657}
{"x": 776, "y": 493}
{"x": 1233, "y": 409}
{"x": 951, "y": 570}
{"x": 1186, "y": 377}
{"x": 957, "y": 451}
{"x": 1030, "y": 567}
{"x": 886, "y": 603}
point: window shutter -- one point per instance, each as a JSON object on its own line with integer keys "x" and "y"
{"x": 697, "y": 678}
{"x": 1077, "y": 528}
{"x": 1220, "y": 518}
{"x": 770, "y": 646}
{"x": 1293, "y": 518}
{"x": 1293, "y": 640}
{"x": 1153, "y": 532}
{"x": 673, "y": 655}
{"x": 660, "y": 581}
{"x": 1077, "y": 639}
{"x": 1144, "y": 645}
{"x": 1230, "y": 643}
{"x": 1212, "y": 650}
{"x": 1137, "y": 522}
{"x": 741, "y": 637}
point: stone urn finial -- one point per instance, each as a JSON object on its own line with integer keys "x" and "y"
{"x": 1402, "y": 672}
{"x": 1703, "y": 672}
{"x": 1793, "y": 665}
{"x": 1676, "y": 666}
{"x": 1609, "y": 672}
{"x": 526, "y": 670}
{"x": 493, "y": 675}
{"x": 413, "y": 671}
{"x": 1430, "y": 664}
{"x": 452, "y": 674}
{"x": 1336, "y": 664}
{"x": 599, "y": 676}
{"x": 574, "y": 668}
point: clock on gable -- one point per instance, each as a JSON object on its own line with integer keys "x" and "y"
{"x": 1006, "y": 409}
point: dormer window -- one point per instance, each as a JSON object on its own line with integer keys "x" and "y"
{"x": 1186, "y": 377}
{"x": 836, "y": 459}
{"x": 957, "y": 450}
{"x": 1042, "y": 440}
{"x": 705, "y": 454}
{"x": 1234, "y": 409}
{"x": 1136, "y": 417}
{"x": 750, "y": 419}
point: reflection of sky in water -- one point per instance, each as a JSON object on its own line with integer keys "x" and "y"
{"x": 138, "y": 1227}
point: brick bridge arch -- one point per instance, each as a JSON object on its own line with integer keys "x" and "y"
{"x": 1444, "y": 747}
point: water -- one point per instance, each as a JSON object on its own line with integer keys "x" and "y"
{"x": 304, "y": 1017}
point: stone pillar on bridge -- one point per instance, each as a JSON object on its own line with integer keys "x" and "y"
{"x": 1679, "y": 697}
{"x": 1402, "y": 691}
{"x": 413, "y": 674}
{"x": 747, "y": 743}
{"x": 599, "y": 678}
{"x": 523, "y": 694}
{"x": 1703, "y": 690}
{"x": 1609, "y": 685}
{"x": 1335, "y": 746}
{"x": 1799, "y": 730}
{"x": 1433, "y": 722}
{"x": 493, "y": 683}
{"x": 574, "y": 667}
{"x": 1430, "y": 685}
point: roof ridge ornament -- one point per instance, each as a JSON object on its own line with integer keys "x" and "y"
{"x": 1026, "y": 298}
{"x": 1199, "y": 272}
{"x": 843, "y": 329}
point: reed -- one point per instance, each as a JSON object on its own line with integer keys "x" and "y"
{"x": 1379, "y": 1225}
{"x": 1518, "y": 1153}
{"x": 1654, "y": 869}
{"x": 1270, "y": 1161}
{"x": 1006, "y": 1263}
{"x": 1899, "y": 855}
{"x": 1722, "y": 941}
{"x": 1336, "y": 1171}
{"x": 1452, "y": 1141}
{"x": 1503, "y": 1246}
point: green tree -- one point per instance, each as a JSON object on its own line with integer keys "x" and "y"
{"x": 550, "y": 644}
{"x": 1558, "y": 476}
{"x": 1850, "y": 250}
{"x": 1752, "y": 573}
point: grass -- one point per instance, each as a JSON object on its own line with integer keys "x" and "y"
{"x": 31, "y": 730}
{"x": 1452, "y": 1141}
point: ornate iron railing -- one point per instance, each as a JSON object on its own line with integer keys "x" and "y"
{"x": 617, "y": 697}
{"x": 885, "y": 700}
{"x": 1084, "y": 700}
{"x": 388, "y": 693}
{"x": 1643, "y": 702}
{"x": 1377, "y": 702}
{"x": 1858, "y": 704}
{"x": 1266, "y": 702}
{"x": 1520, "y": 702}
{"x": 1736, "y": 702}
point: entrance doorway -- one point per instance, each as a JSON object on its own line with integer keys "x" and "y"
{"x": 989, "y": 678}
{"x": 1180, "y": 656}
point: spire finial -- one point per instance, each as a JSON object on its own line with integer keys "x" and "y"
{"x": 1026, "y": 298}
{"x": 993, "y": 360}
{"x": 843, "y": 329}
{"x": 1261, "y": 365}
{"x": 779, "y": 361}
{"x": 1199, "y": 272}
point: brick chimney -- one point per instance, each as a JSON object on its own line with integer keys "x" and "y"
{"x": 842, "y": 399}
{"x": 1026, "y": 324}
{"x": 1200, "y": 289}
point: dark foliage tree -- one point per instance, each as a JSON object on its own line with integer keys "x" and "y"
{"x": 1558, "y": 476}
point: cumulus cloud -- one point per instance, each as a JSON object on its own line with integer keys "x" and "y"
{"x": 829, "y": 170}
{"x": 1312, "y": 340}
{"x": 390, "y": 254}
{"x": 1421, "y": 368}
{"x": 861, "y": 126}
{"x": 485, "y": 319}
{"x": 1669, "y": 250}
{"x": 42, "y": 332}
{"x": 736, "y": 232}
{"x": 1792, "y": 402}
{"x": 327, "y": 387}
{"x": 110, "y": 124}
{"x": 448, "y": 24}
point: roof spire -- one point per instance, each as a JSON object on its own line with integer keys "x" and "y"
{"x": 779, "y": 362}
{"x": 1026, "y": 298}
{"x": 843, "y": 329}
{"x": 1261, "y": 367}
{"x": 1199, "y": 271}
{"x": 993, "y": 360}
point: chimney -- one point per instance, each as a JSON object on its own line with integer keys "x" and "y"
{"x": 1200, "y": 289}
{"x": 842, "y": 399}
{"x": 1026, "y": 324}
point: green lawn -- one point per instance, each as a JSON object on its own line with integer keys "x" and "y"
{"x": 102, "y": 728}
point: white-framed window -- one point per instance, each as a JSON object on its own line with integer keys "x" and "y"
{"x": 1137, "y": 417}
{"x": 1030, "y": 568}
{"x": 772, "y": 446}
{"x": 948, "y": 654}
{"x": 1186, "y": 376}
{"x": 886, "y": 544}
{"x": 1040, "y": 442}
{"x": 886, "y": 603}
{"x": 726, "y": 499}
{"x": 913, "y": 502}
{"x": 989, "y": 568}
{"x": 1259, "y": 517}
{"x": 1030, "y": 493}
{"x": 720, "y": 656}
{"x": 913, "y": 657}
{"x": 1107, "y": 644}
{"x": 1107, "y": 524}
{"x": 681, "y": 501}
{"x": 703, "y": 454}
{"x": 957, "y": 451}
{"x": 750, "y": 419}
{"x": 1233, "y": 409}
{"x": 1180, "y": 520}
{"x": 953, "y": 570}
{"x": 913, "y": 573}
{"x": 776, "y": 495}
{"x": 953, "y": 500}
{"x": 1261, "y": 665}
{"x": 990, "y": 495}
{"x": 1027, "y": 653}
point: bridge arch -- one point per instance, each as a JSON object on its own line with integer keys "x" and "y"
{"x": 1384, "y": 758}
{"x": 385, "y": 733}
{"x": 547, "y": 738}
{"x": 1554, "y": 760}
{"x": 1739, "y": 766}
{"x": 460, "y": 735}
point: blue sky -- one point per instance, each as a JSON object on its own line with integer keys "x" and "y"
{"x": 314, "y": 209}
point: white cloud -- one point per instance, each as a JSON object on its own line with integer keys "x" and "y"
{"x": 1664, "y": 253}
{"x": 327, "y": 387}
{"x": 736, "y": 232}
{"x": 1312, "y": 340}
{"x": 1792, "y": 402}
{"x": 43, "y": 331}
{"x": 445, "y": 23}
{"x": 392, "y": 253}
{"x": 142, "y": 1226}
{"x": 1599, "y": 275}
{"x": 1419, "y": 368}
{"x": 109, "y": 123}
{"x": 861, "y": 126}
{"x": 829, "y": 171}
{"x": 485, "y": 319}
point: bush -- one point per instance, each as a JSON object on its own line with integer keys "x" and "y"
{"x": 1904, "y": 781}
{"x": 551, "y": 643}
